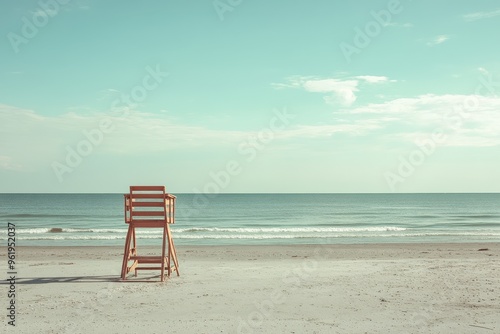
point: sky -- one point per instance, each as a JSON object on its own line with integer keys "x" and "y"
{"x": 237, "y": 96}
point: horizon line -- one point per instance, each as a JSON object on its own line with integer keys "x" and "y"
{"x": 254, "y": 193}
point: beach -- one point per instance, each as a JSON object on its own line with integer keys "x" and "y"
{"x": 373, "y": 288}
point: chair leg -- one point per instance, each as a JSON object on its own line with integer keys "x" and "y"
{"x": 134, "y": 243}
{"x": 172, "y": 252}
{"x": 174, "y": 257}
{"x": 126, "y": 253}
{"x": 163, "y": 256}
{"x": 133, "y": 251}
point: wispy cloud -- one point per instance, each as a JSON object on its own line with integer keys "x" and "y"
{"x": 480, "y": 15}
{"x": 373, "y": 78}
{"x": 341, "y": 91}
{"x": 483, "y": 71}
{"x": 29, "y": 141}
{"x": 399, "y": 25}
{"x": 328, "y": 130}
{"x": 44, "y": 12}
{"x": 109, "y": 93}
{"x": 29, "y": 138}
{"x": 8, "y": 164}
{"x": 438, "y": 40}
{"x": 477, "y": 126}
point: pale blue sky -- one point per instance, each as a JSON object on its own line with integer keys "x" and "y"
{"x": 250, "y": 96}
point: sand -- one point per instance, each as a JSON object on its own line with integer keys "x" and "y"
{"x": 389, "y": 288}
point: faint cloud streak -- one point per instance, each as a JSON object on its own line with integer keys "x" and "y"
{"x": 341, "y": 91}
{"x": 8, "y": 164}
{"x": 438, "y": 40}
{"x": 481, "y": 15}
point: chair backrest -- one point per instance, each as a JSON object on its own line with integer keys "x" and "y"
{"x": 147, "y": 206}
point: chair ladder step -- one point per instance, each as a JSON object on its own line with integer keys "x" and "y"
{"x": 148, "y": 259}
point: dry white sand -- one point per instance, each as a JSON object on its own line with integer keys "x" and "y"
{"x": 426, "y": 288}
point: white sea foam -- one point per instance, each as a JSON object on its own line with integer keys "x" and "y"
{"x": 215, "y": 229}
{"x": 65, "y": 230}
{"x": 244, "y": 233}
{"x": 292, "y": 229}
{"x": 58, "y": 236}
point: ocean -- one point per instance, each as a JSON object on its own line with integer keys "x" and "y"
{"x": 257, "y": 219}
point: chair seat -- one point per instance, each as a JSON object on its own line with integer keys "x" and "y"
{"x": 148, "y": 223}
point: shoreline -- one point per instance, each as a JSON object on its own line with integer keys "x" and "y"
{"x": 363, "y": 250}
{"x": 357, "y": 288}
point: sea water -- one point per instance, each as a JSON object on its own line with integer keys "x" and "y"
{"x": 248, "y": 219}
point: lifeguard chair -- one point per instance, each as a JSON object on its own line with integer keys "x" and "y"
{"x": 149, "y": 207}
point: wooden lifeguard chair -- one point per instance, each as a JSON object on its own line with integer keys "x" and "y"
{"x": 149, "y": 207}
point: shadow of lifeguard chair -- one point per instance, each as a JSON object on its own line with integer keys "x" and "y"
{"x": 149, "y": 207}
